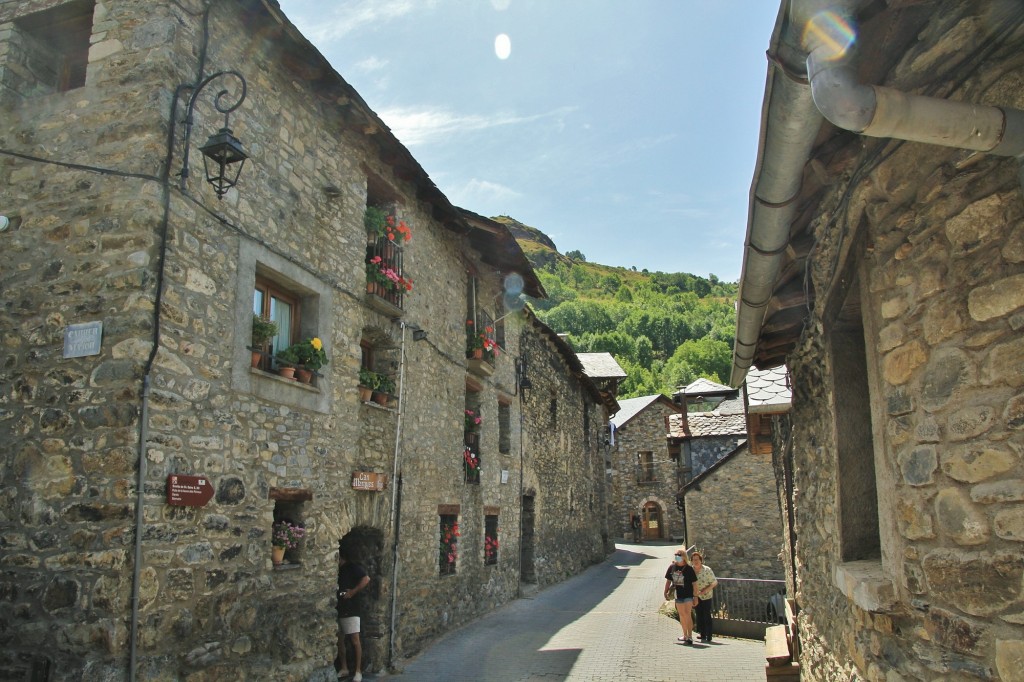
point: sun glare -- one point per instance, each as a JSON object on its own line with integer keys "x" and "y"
{"x": 502, "y": 46}
{"x": 831, "y": 31}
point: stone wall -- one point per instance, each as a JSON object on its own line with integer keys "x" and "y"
{"x": 733, "y": 518}
{"x": 89, "y": 247}
{"x": 934, "y": 239}
{"x": 645, "y": 432}
{"x": 706, "y": 450}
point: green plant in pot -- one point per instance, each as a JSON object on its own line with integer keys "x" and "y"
{"x": 262, "y": 331}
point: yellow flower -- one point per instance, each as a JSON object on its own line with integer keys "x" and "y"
{"x": 317, "y": 343}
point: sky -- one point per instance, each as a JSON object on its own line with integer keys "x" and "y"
{"x": 624, "y": 130}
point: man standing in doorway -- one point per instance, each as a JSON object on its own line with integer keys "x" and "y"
{"x": 352, "y": 579}
{"x": 636, "y": 528}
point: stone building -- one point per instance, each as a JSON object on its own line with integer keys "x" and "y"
{"x": 149, "y": 452}
{"x": 732, "y": 509}
{"x": 644, "y": 470}
{"x": 710, "y": 427}
{"x": 885, "y": 268}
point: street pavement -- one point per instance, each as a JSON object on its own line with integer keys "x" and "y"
{"x": 598, "y": 626}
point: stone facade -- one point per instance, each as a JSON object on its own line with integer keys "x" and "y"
{"x": 732, "y": 516}
{"x": 900, "y": 467}
{"x": 637, "y": 488}
{"x": 101, "y": 232}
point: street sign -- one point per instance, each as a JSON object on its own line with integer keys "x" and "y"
{"x": 188, "y": 491}
{"x": 369, "y": 480}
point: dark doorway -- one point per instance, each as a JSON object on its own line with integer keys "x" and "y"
{"x": 365, "y": 546}
{"x": 526, "y": 569}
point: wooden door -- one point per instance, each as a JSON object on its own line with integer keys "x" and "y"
{"x": 652, "y": 522}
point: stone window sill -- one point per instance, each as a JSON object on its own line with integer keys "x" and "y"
{"x": 289, "y": 382}
{"x": 866, "y": 584}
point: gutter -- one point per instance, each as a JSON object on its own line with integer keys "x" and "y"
{"x": 788, "y": 131}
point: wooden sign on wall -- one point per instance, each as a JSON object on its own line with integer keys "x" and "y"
{"x": 369, "y": 480}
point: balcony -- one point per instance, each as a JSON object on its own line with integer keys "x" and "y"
{"x": 386, "y": 283}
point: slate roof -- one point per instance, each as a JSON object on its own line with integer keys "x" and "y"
{"x": 728, "y": 419}
{"x": 704, "y": 386}
{"x": 768, "y": 390}
{"x": 631, "y": 407}
{"x": 601, "y": 366}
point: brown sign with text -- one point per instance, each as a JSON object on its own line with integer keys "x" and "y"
{"x": 188, "y": 491}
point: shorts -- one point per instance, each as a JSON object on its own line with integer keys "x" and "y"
{"x": 685, "y": 600}
{"x": 350, "y": 625}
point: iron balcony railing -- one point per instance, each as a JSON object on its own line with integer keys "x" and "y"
{"x": 378, "y": 283}
{"x": 760, "y": 601}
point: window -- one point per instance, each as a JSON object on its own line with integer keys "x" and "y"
{"x": 448, "y": 543}
{"x": 504, "y": 428}
{"x": 289, "y": 527}
{"x": 50, "y": 49}
{"x": 586, "y": 426}
{"x": 553, "y": 410}
{"x": 386, "y": 235}
{"x": 471, "y": 437}
{"x": 645, "y": 465}
{"x": 300, "y": 299}
{"x": 281, "y": 307}
{"x": 858, "y": 499}
{"x": 490, "y": 539}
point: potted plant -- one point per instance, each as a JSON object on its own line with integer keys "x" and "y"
{"x": 380, "y": 224}
{"x": 284, "y": 535}
{"x": 471, "y": 465}
{"x": 287, "y": 359}
{"x": 367, "y": 380}
{"x": 385, "y": 387}
{"x": 473, "y": 421}
{"x": 311, "y": 356}
{"x": 479, "y": 344}
{"x": 449, "y": 547}
{"x": 381, "y": 276}
{"x": 374, "y": 220}
{"x": 262, "y": 331}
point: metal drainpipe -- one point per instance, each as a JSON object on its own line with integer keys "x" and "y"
{"x": 394, "y": 499}
{"x": 140, "y": 491}
{"x": 789, "y": 130}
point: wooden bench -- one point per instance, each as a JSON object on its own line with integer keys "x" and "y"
{"x": 781, "y": 650}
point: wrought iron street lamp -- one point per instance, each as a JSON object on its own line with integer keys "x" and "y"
{"x": 223, "y": 155}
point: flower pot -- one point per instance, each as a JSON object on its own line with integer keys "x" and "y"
{"x": 304, "y": 375}
{"x": 478, "y": 354}
{"x": 364, "y": 393}
{"x": 256, "y": 357}
{"x": 277, "y": 555}
{"x": 380, "y": 398}
{"x": 286, "y": 372}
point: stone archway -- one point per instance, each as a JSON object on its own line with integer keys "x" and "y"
{"x": 365, "y": 546}
{"x": 653, "y": 518}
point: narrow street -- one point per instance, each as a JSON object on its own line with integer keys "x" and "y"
{"x": 601, "y": 625}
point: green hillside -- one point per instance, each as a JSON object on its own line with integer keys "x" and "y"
{"x": 665, "y": 329}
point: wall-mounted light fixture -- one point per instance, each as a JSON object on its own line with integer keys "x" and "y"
{"x": 223, "y": 156}
{"x": 522, "y": 381}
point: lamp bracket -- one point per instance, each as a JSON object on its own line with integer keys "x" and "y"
{"x": 220, "y": 104}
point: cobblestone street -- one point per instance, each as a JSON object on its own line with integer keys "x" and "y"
{"x": 601, "y": 625}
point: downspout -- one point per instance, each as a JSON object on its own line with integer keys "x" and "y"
{"x": 395, "y": 484}
{"x": 789, "y": 129}
{"x": 165, "y": 198}
{"x": 789, "y": 125}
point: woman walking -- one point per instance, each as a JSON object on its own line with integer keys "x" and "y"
{"x": 706, "y": 584}
{"x": 681, "y": 576}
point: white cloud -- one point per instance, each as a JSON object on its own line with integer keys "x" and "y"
{"x": 370, "y": 64}
{"x": 476, "y": 192}
{"x": 423, "y": 125}
{"x": 322, "y": 27}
